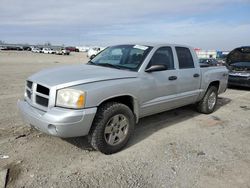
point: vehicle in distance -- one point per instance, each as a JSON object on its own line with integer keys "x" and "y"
{"x": 48, "y": 51}
{"x": 238, "y": 62}
{"x": 83, "y": 48}
{"x": 92, "y": 52}
{"x": 62, "y": 51}
{"x": 2, "y": 48}
{"x": 209, "y": 62}
{"x": 72, "y": 49}
{"x": 26, "y": 48}
{"x": 105, "y": 98}
{"x": 12, "y": 48}
{"x": 36, "y": 50}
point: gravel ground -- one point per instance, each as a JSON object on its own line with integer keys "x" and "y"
{"x": 179, "y": 148}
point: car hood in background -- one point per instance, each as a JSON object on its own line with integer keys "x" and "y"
{"x": 240, "y": 63}
{"x": 78, "y": 74}
{"x": 240, "y": 66}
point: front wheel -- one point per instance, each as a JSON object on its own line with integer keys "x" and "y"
{"x": 209, "y": 101}
{"x": 112, "y": 127}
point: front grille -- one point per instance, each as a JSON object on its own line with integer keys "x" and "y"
{"x": 238, "y": 77}
{"x": 42, "y": 89}
{"x": 42, "y": 101}
{"x": 28, "y": 93}
{"x": 37, "y": 95}
{"x": 29, "y": 84}
{"x": 239, "y": 80}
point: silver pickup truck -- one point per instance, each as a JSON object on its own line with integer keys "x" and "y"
{"x": 106, "y": 97}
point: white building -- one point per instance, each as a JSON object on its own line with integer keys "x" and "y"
{"x": 206, "y": 53}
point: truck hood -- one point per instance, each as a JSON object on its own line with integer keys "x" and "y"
{"x": 78, "y": 74}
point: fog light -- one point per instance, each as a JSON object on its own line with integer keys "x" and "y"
{"x": 52, "y": 129}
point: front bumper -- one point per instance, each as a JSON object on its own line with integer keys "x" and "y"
{"x": 58, "y": 121}
{"x": 239, "y": 81}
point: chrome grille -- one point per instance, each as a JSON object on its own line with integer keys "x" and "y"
{"x": 43, "y": 90}
{"x": 37, "y": 95}
{"x": 29, "y": 84}
{"x": 28, "y": 93}
{"x": 42, "y": 101}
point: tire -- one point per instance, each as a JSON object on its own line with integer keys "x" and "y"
{"x": 209, "y": 101}
{"x": 109, "y": 126}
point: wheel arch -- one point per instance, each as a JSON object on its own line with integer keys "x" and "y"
{"x": 127, "y": 100}
{"x": 215, "y": 83}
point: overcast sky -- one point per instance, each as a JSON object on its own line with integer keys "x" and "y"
{"x": 206, "y": 24}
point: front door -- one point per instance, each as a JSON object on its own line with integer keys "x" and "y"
{"x": 160, "y": 88}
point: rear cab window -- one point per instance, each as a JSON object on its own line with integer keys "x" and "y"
{"x": 185, "y": 58}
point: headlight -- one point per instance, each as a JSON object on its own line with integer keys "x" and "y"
{"x": 70, "y": 98}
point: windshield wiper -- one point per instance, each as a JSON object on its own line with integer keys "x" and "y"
{"x": 109, "y": 65}
{"x": 91, "y": 63}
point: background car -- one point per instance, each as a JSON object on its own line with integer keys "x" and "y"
{"x": 16, "y": 48}
{"x": 62, "y": 51}
{"x": 48, "y": 51}
{"x": 209, "y": 62}
{"x": 2, "y": 48}
{"x": 92, "y": 52}
{"x": 238, "y": 61}
{"x": 72, "y": 49}
{"x": 26, "y": 48}
{"x": 36, "y": 50}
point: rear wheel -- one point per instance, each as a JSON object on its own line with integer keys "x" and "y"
{"x": 209, "y": 101}
{"x": 112, "y": 127}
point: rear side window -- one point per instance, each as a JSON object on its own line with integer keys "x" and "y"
{"x": 184, "y": 57}
{"x": 163, "y": 56}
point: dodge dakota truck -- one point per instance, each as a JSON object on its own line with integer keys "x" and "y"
{"x": 106, "y": 97}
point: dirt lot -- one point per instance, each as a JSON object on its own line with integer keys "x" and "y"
{"x": 180, "y": 148}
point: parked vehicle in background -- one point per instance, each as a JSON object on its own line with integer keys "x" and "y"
{"x": 209, "y": 62}
{"x": 26, "y": 48}
{"x": 105, "y": 98}
{"x": 48, "y": 51}
{"x": 238, "y": 62}
{"x": 36, "y": 50}
{"x": 2, "y": 48}
{"x": 12, "y": 48}
{"x": 93, "y": 51}
{"x": 83, "y": 48}
{"x": 72, "y": 49}
{"x": 62, "y": 51}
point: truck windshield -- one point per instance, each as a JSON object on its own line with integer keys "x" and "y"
{"x": 122, "y": 57}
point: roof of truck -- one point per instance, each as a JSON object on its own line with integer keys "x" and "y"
{"x": 155, "y": 44}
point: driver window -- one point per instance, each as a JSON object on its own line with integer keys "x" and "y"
{"x": 163, "y": 56}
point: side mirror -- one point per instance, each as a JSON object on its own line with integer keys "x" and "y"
{"x": 154, "y": 68}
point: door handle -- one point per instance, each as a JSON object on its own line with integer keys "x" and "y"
{"x": 196, "y": 75}
{"x": 172, "y": 77}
